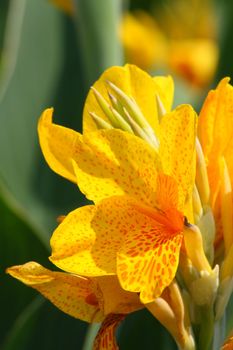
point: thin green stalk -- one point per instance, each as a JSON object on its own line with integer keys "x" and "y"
{"x": 90, "y": 336}
{"x": 219, "y": 333}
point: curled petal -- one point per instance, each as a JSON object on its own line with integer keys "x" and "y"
{"x": 71, "y": 294}
{"x": 58, "y": 145}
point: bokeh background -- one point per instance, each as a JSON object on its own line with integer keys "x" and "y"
{"x": 50, "y": 54}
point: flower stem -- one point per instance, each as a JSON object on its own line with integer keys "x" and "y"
{"x": 219, "y": 333}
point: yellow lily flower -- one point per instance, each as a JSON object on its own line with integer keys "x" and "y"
{"x": 140, "y": 193}
{"x": 91, "y": 300}
{"x": 136, "y": 162}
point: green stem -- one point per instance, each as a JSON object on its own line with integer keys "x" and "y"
{"x": 219, "y": 333}
{"x": 206, "y": 328}
{"x": 92, "y": 331}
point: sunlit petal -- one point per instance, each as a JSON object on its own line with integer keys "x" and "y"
{"x": 71, "y": 294}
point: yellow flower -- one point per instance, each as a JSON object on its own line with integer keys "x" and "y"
{"x": 140, "y": 193}
{"x": 215, "y": 131}
{"x": 89, "y": 299}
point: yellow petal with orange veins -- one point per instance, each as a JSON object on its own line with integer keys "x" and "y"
{"x": 85, "y": 243}
{"x": 69, "y": 293}
{"x": 115, "y": 299}
{"x": 132, "y": 81}
{"x": 148, "y": 259}
{"x": 58, "y": 145}
{"x": 149, "y": 244}
{"x": 113, "y": 162}
{"x": 105, "y": 339}
{"x": 165, "y": 90}
{"x": 177, "y": 150}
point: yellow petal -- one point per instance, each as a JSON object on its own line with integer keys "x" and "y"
{"x": 105, "y": 339}
{"x": 215, "y": 122}
{"x": 81, "y": 243}
{"x": 135, "y": 83}
{"x": 105, "y": 162}
{"x": 148, "y": 259}
{"x": 215, "y": 129}
{"x": 165, "y": 90}
{"x": 113, "y": 162}
{"x": 148, "y": 251}
{"x": 58, "y": 145}
{"x": 69, "y": 293}
{"x": 177, "y": 150}
{"x": 145, "y": 243}
{"x": 115, "y": 299}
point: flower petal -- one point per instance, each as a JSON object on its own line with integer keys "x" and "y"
{"x": 105, "y": 339}
{"x": 91, "y": 239}
{"x": 115, "y": 299}
{"x": 177, "y": 151}
{"x": 80, "y": 244}
{"x": 69, "y": 293}
{"x": 105, "y": 162}
{"x": 113, "y": 162}
{"x": 165, "y": 90}
{"x": 215, "y": 125}
{"x": 135, "y": 83}
{"x": 144, "y": 242}
{"x": 215, "y": 130}
{"x": 58, "y": 145}
{"x": 148, "y": 259}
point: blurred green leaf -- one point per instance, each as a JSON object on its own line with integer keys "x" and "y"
{"x": 43, "y": 70}
{"x": 18, "y": 244}
{"x": 28, "y": 321}
{"x": 141, "y": 330}
{"x": 97, "y": 27}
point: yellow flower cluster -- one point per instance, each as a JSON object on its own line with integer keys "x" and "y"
{"x": 159, "y": 233}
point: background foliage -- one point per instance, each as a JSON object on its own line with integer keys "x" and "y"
{"x": 49, "y": 58}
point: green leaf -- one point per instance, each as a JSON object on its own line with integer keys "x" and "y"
{"x": 43, "y": 70}
{"x": 97, "y": 28}
{"x": 18, "y": 244}
{"x": 141, "y": 330}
